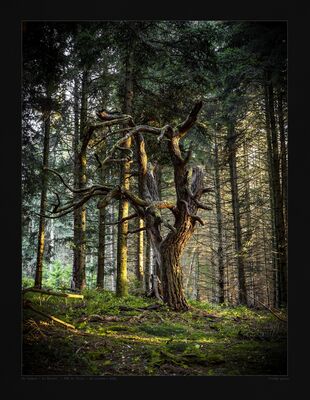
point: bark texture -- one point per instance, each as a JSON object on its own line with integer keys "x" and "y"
{"x": 276, "y": 191}
{"x": 41, "y": 235}
{"x": 242, "y": 292}
{"x": 122, "y": 251}
{"x": 80, "y": 145}
{"x": 219, "y": 221}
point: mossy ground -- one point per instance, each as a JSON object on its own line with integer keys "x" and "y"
{"x": 238, "y": 341}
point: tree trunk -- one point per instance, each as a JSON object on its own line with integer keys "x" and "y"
{"x": 242, "y": 293}
{"x": 79, "y": 275}
{"x": 172, "y": 246}
{"x": 172, "y": 274}
{"x": 41, "y": 236}
{"x": 197, "y": 275}
{"x": 140, "y": 248}
{"x": 280, "y": 239}
{"x": 50, "y": 245}
{"x": 147, "y": 265}
{"x": 168, "y": 251}
{"x": 122, "y": 250}
{"x": 219, "y": 220}
{"x": 283, "y": 155}
{"x": 248, "y": 222}
{"x": 272, "y": 199}
{"x": 101, "y": 249}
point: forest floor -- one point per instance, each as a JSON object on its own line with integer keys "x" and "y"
{"x": 111, "y": 339}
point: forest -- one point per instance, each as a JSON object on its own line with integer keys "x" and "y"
{"x": 154, "y": 198}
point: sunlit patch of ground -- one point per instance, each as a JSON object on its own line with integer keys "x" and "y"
{"x": 233, "y": 341}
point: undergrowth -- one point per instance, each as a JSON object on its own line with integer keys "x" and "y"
{"x": 115, "y": 336}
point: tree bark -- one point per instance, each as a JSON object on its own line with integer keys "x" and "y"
{"x": 79, "y": 275}
{"x": 148, "y": 207}
{"x": 271, "y": 173}
{"x": 122, "y": 250}
{"x": 172, "y": 246}
{"x": 147, "y": 265}
{"x": 283, "y": 155}
{"x": 41, "y": 235}
{"x": 140, "y": 248}
{"x": 219, "y": 220}
{"x": 248, "y": 223}
{"x": 278, "y": 202}
{"x": 198, "y": 279}
{"x": 242, "y": 292}
{"x": 101, "y": 250}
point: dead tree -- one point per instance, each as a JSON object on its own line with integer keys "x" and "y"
{"x": 148, "y": 206}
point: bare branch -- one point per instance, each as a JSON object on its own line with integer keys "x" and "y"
{"x": 89, "y": 189}
{"x": 165, "y": 131}
{"x": 68, "y": 209}
{"x": 57, "y": 205}
{"x": 169, "y": 226}
{"x": 126, "y": 149}
{"x": 124, "y": 118}
{"x": 98, "y": 160}
{"x": 201, "y": 205}
{"x": 186, "y": 206}
{"x": 111, "y": 160}
{"x": 98, "y": 141}
{"x": 190, "y": 120}
{"x": 161, "y": 205}
{"x": 196, "y": 218}
{"x": 109, "y": 197}
{"x": 207, "y": 190}
{"x": 123, "y": 219}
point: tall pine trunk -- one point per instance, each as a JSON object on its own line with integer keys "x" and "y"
{"x": 122, "y": 250}
{"x": 248, "y": 222}
{"x": 283, "y": 154}
{"x": 219, "y": 220}
{"x": 271, "y": 173}
{"x": 140, "y": 253}
{"x": 101, "y": 249}
{"x": 41, "y": 235}
{"x": 79, "y": 274}
{"x": 242, "y": 292}
{"x": 279, "y": 224}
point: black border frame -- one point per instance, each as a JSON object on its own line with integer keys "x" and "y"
{"x": 254, "y": 387}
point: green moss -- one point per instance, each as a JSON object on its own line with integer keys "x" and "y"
{"x": 165, "y": 329}
{"x": 240, "y": 341}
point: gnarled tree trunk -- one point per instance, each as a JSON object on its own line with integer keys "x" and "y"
{"x": 168, "y": 251}
{"x": 147, "y": 205}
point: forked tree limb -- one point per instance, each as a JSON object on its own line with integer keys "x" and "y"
{"x": 69, "y": 208}
{"x": 190, "y": 120}
{"x": 85, "y": 190}
{"x": 197, "y": 218}
{"x": 131, "y": 216}
{"x": 169, "y": 226}
{"x": 201, "y": 205}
